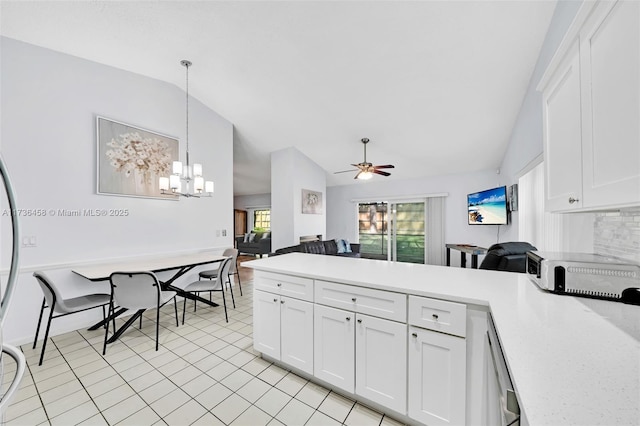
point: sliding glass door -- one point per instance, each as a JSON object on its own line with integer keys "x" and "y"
{"x": 392, "y": 231}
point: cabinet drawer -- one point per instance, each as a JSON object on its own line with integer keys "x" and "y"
{"x": 383, "y": 304}
{"x": 438, "y": 315}
{"x": 285, "y": 285}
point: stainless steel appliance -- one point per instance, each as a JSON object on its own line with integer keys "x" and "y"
{"x": 502, "y": 408}
{"x": 13, "y": 352}
{"x": 585, "y": 274}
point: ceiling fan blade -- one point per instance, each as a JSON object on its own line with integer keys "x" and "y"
{"x": 380, "y": 172}
{"x": 358, "y": 174}
{"x": 346, "y": 171}
{"x": 359, "y": 166}
{"x": 386, "y": 166}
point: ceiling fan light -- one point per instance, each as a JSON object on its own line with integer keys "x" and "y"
{"x": 365, "y": 175}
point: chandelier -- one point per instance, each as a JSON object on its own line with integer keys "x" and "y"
{"x": 172, "y": 185}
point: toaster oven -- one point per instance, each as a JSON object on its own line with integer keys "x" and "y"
{"x": 585, "y": 274}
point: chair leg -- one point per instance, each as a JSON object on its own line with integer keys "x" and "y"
{"x": 106, "y": 331}
{"x": 140, "y": 322}
{"x": 232, "y": 298}
{"x": 104, "y": 316}
{"x": 184, "y": 308}
{"x": 238, "y": 274}
{"x": 195, "y": 302}
{"x": 46, "y": 335}
{"x": 175, "y": 306}
{"x": 157, "y": 325}
{"x": 44, "y": 302}
{"x": 224, "y": 301}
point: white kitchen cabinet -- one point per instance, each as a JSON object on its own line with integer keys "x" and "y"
{"x": 381, "y": 361}
{"x": 591, "y": 111}
{"x": 266, "y": 323}
{"x": 334, "y": 347}
{"x": 437, "y": 377}
{"x": 563, "y": 136}
{"x": 296, "y": 333}
{"x": 610, "y": 64}
{"x": 283, "y": 329}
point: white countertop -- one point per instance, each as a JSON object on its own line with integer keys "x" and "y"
{"x": 573, "y": 361}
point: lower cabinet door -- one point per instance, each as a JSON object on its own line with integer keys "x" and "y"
{"x": 296, "y": 338}
{"x": 334, "y": 347}
{"x": 266, "y": 323}
{"x": 381, "y": 361}
{"x": 437, "y": 372}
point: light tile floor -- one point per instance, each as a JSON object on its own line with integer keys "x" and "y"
{"x": 205, "y": 373}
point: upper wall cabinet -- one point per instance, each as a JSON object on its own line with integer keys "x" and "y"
{"x": 591, "y": 102}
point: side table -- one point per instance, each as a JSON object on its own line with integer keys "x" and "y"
{"x": 465, "y": 249}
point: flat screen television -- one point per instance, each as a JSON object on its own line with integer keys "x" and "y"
{"x": 488, "y": 207}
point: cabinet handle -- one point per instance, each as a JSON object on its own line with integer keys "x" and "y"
{"x": 573, "y": 200}
{"x": 279, "y": 284}
{"x": 435, "y": 317}
{"x": 282, "y": 301}
{"x": 353, "y": 299}
{"x": 275, "y": 300}
{"x": 348, "y": 318}
{"x": 414, "y": 334}
{"x": 359, "y": 321}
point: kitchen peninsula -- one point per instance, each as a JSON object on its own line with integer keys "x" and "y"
{"x": 571, "y": 363}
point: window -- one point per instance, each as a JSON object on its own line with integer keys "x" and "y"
{"x": 262, "y": 218}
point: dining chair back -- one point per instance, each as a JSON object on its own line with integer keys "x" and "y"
{"x": 214, "y": 284}
{"x": 59, "y": 306}
{"x": 139, "y": 290}
{"x": 233, "y": 270}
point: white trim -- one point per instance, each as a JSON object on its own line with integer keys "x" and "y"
{"x": 96, "y": 262}
{"x": 258, "y": 207}
{"x": 572, "y": 34}
{"x": 393, "y": 198}
{"x": 530, "y": 166}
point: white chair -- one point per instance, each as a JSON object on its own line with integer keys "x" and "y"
{"x": 213, "y": 273}
{"x": 139, "y": 291}
{"x": 61, "y": 307}
{"x": 215, "y": 284}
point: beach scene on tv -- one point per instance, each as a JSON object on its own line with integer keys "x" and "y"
{"x": 488, "y": 207}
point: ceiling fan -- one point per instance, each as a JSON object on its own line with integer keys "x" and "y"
{"x": 366, "y": 170}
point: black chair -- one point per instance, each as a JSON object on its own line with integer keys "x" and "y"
{"x": 511, "y": 256}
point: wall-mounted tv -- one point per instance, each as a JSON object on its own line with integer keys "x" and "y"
{"x": 488, "y": 207}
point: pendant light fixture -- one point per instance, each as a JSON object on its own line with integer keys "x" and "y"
{"x": 172, "y": 185}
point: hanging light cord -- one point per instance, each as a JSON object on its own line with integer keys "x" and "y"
{"x": 187, "y": 64}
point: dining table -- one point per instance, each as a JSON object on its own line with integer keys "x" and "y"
{"x": 180, "y": 264}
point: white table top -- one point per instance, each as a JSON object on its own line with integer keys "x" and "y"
{"x": 154, "y": 264}
{"x": 574, "y": 361}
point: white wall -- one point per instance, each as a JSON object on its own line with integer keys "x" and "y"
{"x": 292, "y": 171}
{"x": 49, "y": 101}
{"x": 342, "y": 211}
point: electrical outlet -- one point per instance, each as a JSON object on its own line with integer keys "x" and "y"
{"x": 224, "y": 232}
{"x": 217, "y": 232}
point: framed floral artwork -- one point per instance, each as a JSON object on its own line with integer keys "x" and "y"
{"x": 131, "y": 160}
{"x": 311, "y": 202}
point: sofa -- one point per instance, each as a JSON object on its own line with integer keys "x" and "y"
{"x": 328, "y": 247}
{"x": 511, "y": 256}
{"x": 254, "y": 243}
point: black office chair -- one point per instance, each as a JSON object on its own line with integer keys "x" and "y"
{"x": 511, "y": 256}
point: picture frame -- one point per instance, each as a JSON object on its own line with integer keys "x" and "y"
{"x": 311, "y": 202}
{"x": 130, "y": 159}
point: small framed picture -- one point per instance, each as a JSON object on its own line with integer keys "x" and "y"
{"x": 513, "y": 197}
{"x": 311, "y": 202}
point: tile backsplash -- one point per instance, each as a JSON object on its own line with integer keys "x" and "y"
{"x": 618, "y": 233}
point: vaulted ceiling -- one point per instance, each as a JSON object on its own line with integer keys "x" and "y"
{"x": 435, "y": 85}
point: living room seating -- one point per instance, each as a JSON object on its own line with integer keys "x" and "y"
{"x": 328, "y": 247}
{"x": 510, "y": 256}
{"x": 254, "y": 243}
